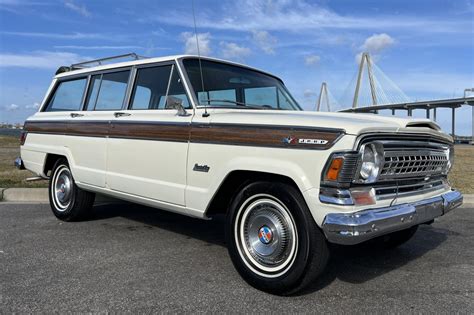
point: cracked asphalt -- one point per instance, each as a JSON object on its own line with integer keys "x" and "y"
{"x": 137, "y": 259}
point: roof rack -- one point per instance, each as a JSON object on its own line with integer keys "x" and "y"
{"x": 100, "y": 61}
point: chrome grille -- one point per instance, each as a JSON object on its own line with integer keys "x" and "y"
{"x": 413, "y": 163}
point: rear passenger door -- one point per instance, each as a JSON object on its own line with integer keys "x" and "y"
{"x": 148, "y": 140}
{"x": 89, "y": 128}
{"x": 73, "y": 135}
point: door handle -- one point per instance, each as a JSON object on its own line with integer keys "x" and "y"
{"x": 121, "y": 114}
{"x": 74, "y": 115}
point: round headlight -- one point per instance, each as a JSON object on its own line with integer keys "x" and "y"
{"x": 371, "y": 162}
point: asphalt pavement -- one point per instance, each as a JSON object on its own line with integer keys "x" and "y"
{"x": 138, "y": 259}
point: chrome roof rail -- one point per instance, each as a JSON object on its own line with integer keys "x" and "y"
{"x": 100, "y": 61}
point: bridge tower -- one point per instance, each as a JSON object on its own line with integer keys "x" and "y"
{"x": 365, "y": 59}
{"x": 323, "y": 96}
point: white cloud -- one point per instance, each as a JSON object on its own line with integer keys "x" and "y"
{"x": 81, "y": 9}
{"x": 76, "y": 35}
{"x": 308, "y": 93}
{"x": 373, "y": 57}
{"x": 12, "y": 107}
{"x": 301, "y": 16}
{"x": 265, "y": 41}
{"x": 190, "y": 44}
{"x": 35, "y": 105}
{"x": 377, "y": 43}
{"x": 39, "y": 59}
{"x": 234, "y": 51}
{"x": 312, "y": 60}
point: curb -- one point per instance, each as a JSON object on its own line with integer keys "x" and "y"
{"x": 468, "y": 199}
{"x": 40, "y": 195}
{"x": 35, "y": 195}
{"x": 25, "y": 194}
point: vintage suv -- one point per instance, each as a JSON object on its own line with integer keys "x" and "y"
{"x": 202, "y": 136}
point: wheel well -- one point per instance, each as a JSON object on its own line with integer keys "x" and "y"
{"x": 232, "y": 184}
{"x": 50, "y": 161}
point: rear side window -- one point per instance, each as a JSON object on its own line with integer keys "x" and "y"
{"x": 108, "y": 91}
{"x": 68, "y": 96}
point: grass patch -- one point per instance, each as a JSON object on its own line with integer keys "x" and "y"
{"x": 10, "y": 176}
{"x": 461, "y": 176}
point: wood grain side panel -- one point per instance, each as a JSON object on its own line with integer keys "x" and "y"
{"x": 258, "y": 135}
{"x": 88, "y": 128}
{"x": 151, "y": 131}
{"x": 53, "y": 127}
{"x": 284, "y": 137}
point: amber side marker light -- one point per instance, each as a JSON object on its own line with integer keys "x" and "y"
{"x": 333, "y": 171}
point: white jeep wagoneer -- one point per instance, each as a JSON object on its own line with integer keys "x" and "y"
{"x": 201, "y": 136}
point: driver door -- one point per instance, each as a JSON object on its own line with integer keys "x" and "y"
{"x": 148, "y": 141}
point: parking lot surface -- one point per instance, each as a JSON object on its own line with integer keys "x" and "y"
{"x": 134, "y": 258}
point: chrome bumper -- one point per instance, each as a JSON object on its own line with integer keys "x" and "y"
{"x": 357, "y": 227}
{"x": 19, "y": 163}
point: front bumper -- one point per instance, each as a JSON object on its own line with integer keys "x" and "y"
{"x": 19, "y": 163}
{"x": 357, "y": 227}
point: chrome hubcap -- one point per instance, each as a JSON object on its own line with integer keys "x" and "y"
{"x": 62, "y": 188}
{"x": 266, "y": 236}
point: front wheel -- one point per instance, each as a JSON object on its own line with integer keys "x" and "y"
{"x": 273, "y": 240}
{"x": 68, "y": 202}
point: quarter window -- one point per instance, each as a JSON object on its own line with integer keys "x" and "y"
{"x": 68, "y": 96}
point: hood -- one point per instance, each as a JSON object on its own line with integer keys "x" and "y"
{"x": 354, "y": 124}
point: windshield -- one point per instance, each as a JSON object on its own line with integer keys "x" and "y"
{"x": 225, "y": 85}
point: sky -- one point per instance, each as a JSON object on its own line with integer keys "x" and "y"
{"x": 422, "y": 49}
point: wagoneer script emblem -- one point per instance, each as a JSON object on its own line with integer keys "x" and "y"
{"x": 201, "y": 168}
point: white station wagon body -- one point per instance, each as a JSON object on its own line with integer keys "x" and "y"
{"x": 191, "y": 156}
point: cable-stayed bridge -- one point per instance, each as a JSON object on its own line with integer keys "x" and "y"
{"x": 374, "y": 91}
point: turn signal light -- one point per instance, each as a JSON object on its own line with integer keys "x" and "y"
{"x": 363, "y": 197}
{"x": 334, "y": 169}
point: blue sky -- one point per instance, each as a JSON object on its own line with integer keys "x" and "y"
{"x": 425, "y": 47}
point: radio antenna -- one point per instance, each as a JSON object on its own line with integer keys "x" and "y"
{"x": 206, "y": 114}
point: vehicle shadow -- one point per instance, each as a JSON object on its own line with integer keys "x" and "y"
{"x": 209, "y": 231}
{"x": 364, "y": 262}
{"x": 352, "y": 264}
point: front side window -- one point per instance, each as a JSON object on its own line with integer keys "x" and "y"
{"x": 68, "y": 96}
{"x": 108, "y": 91}
{"x": 150, "y": 87}
{"x": 158, "y": 88}
{"x": 230, "y": 85}
{"x": 262, "y": 96}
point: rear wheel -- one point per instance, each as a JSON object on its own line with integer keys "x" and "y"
{"x": 273, "y": 240}
{"x": 68, "y": 202}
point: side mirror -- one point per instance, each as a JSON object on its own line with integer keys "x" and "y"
{"x": 176, "y": 103}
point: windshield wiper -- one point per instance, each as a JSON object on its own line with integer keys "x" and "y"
{"x": 238, "y": 104}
